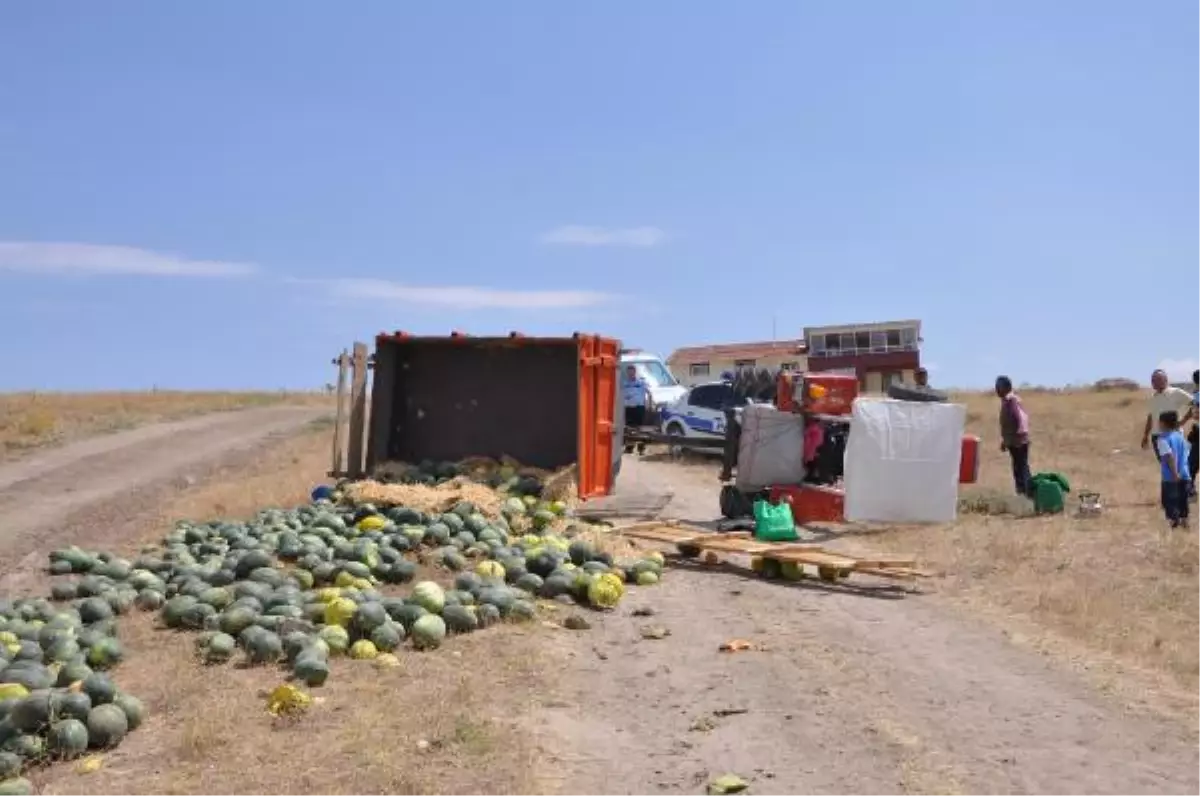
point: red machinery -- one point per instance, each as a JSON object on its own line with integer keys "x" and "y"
{"x": 828, "y": 399}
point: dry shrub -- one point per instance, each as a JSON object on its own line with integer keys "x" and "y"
{"x": 426, "y": 498}
{"x": 994, "y": 503}
{"x": 34, "y": 419}
{"x": 604, "y": 539}
{"x": 558, "y": 485}
{"x": 1116, "y": 383}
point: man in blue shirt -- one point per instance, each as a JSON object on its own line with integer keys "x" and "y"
{"x": 1176, "y": 480}
{"x": 636, "y": 395}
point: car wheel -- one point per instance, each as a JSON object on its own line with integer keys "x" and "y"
{"x": 676, "y": 431}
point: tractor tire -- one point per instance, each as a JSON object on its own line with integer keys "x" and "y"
{"x": 917, "y": 393}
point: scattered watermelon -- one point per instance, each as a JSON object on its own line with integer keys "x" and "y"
{"x": 294, "y": 588}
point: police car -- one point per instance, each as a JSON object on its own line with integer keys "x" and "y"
{"x": 700, "y": 413}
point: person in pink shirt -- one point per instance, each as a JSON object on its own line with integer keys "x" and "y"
{"x": 814, "y": 435}
{"x": 1014, "y": 433}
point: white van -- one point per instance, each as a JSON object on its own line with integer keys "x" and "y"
{"x": 664, "y": 387}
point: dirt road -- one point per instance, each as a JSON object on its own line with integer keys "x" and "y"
{"x": 875, "y": 691}
{"x": 45, "y": 497}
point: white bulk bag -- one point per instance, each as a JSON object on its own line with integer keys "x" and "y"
{"x": 771, "y": 449}
{"x": 902, "y": 460}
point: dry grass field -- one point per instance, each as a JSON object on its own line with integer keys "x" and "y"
{"x": 1115, "y": 594}
{"x": 30, "y": 420}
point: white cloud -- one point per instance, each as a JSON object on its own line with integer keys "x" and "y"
{"x": 101, "y": 259}
{"x": 1179, "y": 369}
{"x": 464, "y": 297}
{"x": 576, "y": 235}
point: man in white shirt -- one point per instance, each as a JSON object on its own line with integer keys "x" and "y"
{"x": 1165, "y": 398}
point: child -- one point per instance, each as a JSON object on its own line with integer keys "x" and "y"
{"x": 1176, "y": 480}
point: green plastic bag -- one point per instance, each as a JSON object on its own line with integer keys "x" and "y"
{"x": 774, "y": 523}
{"x": 1048, "y": 489}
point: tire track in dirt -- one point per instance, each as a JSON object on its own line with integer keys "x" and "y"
{"x": 874, "y": 691}
{"x": 51, "y": 498}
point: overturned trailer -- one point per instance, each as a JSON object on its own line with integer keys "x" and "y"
{"x": 546, "y": 402}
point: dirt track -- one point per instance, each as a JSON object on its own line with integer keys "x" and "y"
{"x": 104, "y": 479}
{"x": 869, "y": 692}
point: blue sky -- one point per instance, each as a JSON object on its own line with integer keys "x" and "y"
{"x": 223, "y": 194}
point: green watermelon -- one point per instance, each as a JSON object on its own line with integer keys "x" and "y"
{"x": 428, "y": 632}
{"x": 67, "y": 738}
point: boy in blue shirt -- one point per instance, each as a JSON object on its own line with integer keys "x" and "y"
{"x": 1176, "y": 480}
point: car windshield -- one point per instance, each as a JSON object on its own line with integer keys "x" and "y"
{"x": 655, "y": 374}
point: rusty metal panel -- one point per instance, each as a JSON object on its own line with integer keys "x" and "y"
{"x": 451, "y": 398}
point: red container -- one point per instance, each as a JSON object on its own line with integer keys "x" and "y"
{"x": 546, "y": 402}
{"x": 968, "y": 465}
{"x": 829, "y": 393}
{"x": 812, "y": 502}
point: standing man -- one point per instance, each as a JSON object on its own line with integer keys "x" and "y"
{"x": 636, "y": 395}
{"x": 1165, "y": 398}
{"x": 1014, "y": 433}
{"x": 921, "y": 377}
{"x": 1193, "y": 436}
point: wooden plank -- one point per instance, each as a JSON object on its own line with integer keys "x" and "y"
{"x": 645, "y": 507}
{"x": 815, "y": 558}
{"x": 358, "y": 411}
{"x": 894, "y": 574}
{"x": 654, "y": 524}
{"x": 886, "y": 562}
{"x": 737, "y": 542}
{"x": 342, "y": 361}
{"x": 741, "y": 542}
{"x": 899, "y": 572}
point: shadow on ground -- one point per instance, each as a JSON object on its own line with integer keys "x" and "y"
{"x": 879, "y": 591}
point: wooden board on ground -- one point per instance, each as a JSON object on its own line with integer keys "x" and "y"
{"x": 743, "y": 543}
{"x": 632, "y": 504}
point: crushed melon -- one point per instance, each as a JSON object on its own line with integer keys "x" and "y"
{"x": 605, "y": 591}
{"x": 340, "y": 611}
